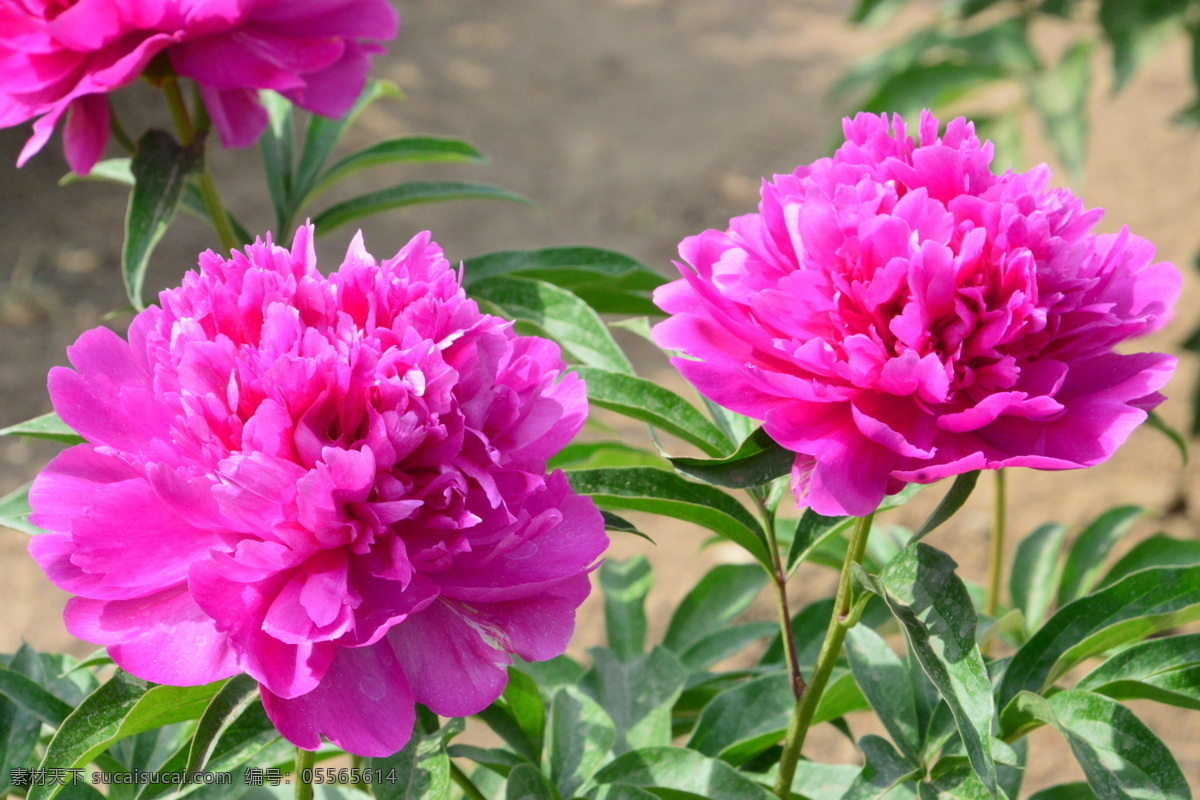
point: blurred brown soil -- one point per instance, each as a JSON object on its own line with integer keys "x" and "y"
{"x": 634, "y": 123}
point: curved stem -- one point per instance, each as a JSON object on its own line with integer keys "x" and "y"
{"x": 778, "y": 576}
{"x": 304, "y": 761}
{"x": 807, "y": 703}
{"x": 469, "y": 789}
{"x": 119, "y": 133}
{"x": 191, "y": 132}
{"x": 996, "y": 555}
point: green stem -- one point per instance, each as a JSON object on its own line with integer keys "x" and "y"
{"x": 304, "y": 761}
{"x": 807, "y": 703}
{"x": 778, "y": 576}
{"x": 991, "y": 603}
{"x": 469, "y": 789}
{"x": 191, "y": 132}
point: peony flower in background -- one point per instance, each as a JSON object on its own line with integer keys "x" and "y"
{"x": 337, "y": 485}
{"x": 61, "y": 57}
{"x": 898, "y": 313}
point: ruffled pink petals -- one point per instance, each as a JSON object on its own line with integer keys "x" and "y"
{"x": 364, "y": 705}
{"x": 900, "y": 313}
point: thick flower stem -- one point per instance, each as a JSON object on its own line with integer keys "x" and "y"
{"x": 778, "y": 577}
{"x": 991, "y": 605}
{"x": 807, "y": 703}
{"x": 304, "y": 764}
{"x": 189, "y": 131}
{"x": 470, "y": 790}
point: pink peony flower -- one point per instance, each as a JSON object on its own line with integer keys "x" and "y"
{"x": 337, "y": 485}
{"x": 63, "y": 56}
{"x": 898, "y": 313}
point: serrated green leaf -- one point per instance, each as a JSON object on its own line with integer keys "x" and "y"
{"x": 48, "y": 426}
{"x": 883, "y": 769}
{"x": 1137, "y": 606}
{"x": 648, "y": 402}
{"x": 685, "y": 772}
{"x": 1160, "y": 550}
{"x": 637, "y": 694}
{"x": 422, "y": 770}
{"x": 1086, "y": 557}
{"x": 934, "y": 609}
{"x": 229, "y": 703}
{"x": 1035, "y": 572}
{"x": 1059, "y": 96}
{"x": 719, "y": 598}
{"x": 1120, "y": 756}
{"x": 562, "y": 315}
{"x": 958, "y": 493}
{"x": 758, "y": 460}
{"x": 658, "y": 492}
{"x": 1166, "y": 670}
{"x": 625, "y": 585}
{"x": 408, "y": 194}
{"x": 608, "y": 281}
{"x": 160, "y": 169}
{"x": 883, "y": 679}
{"x": 15, "y": 511}
{"x": 579, "y": 739}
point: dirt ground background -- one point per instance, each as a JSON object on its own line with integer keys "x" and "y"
{"x": 634, "y": 123}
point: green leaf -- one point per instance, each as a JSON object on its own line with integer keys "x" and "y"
{"x": 594, "y": 455}
{"x": 608, "y": 281}
{"x": 1086, "y": 557}
{"x": 1120, "y": 756}
{"x": 579, "y": 740}
{"x": 842, "y": 696}
{"x": 884, "y": 681}
{"x": 883, "y": 768}
{"x": 19, "y": 687}
{"x": 658, "y": 492}
{"x": 422, "y": 770}
{"x": 47, "y": 426}
{"x": 685, "y": 772}
{"x": 954, "y": 781}
{"x": 758, "y": 460}
{"x": 1155, "y": 421}
{"x": 225, "y": 707}
{"x": 725, "y": 643}
{"x": 497, "y": 759}
{"x": 402, "y": 150}
{"x": 1059, "y": 96}
{"x": 637, "y": 694}
{"x": 1065, "y": 791}
{"x": 524, "y": 702}
{"x": 1035, "y": 572}
{"x": 814, "y": 531}
{"x": 1139, "y": 605}
{"x": 1160, "y": 550}
{"x": 808, "y": 631}
{"x": 625, "y": 585}
{"x": 407, "y": 194}
{"x": 121, "y": 708}
{"x": 552, "y": 674}
{"x": 276, "y": 146}
{"x": 1136, "y": 30}
{"x": 504, "y": 723}
{"x": 875, "y": 12}
{"x": 15, "y": 511}
{"x": 958, "y": 493}
{"x": 719, "y": 598}
{"x": 921, "y": 85}
{"x": 19, "y": 729}
{"x": 526, "y": 782}
{"x": 160, "y": 169}
{"x": 935, "y": 611}
{"x": 648, "y": 402}
{"x": 741, "y": 722}
{"x": 563, "y": 316}
{"x": 1166, "y": 670}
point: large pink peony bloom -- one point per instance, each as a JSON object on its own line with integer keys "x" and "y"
{"x": 63, "y": 56}
{"x": 337, "y": 485}
{"x": 899, "y": 313}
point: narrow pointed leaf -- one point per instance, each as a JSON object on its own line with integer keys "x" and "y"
{"x": 19, "y": 728}
{"x": 648, "y": 402}
{"x": 402, "y": 150}
{"x": 725, "y": 643}
{"x": 1059, "y": 96}
{"x": 883, "y": 768}
{"x": 1065, "y": 791}
{"x": 884, "y": 681}
{"x": 594, "y": 455}
{"x": 758, "y": 460}
{"x": 637, "y": 695}
{"x": 225, "y": 707}
{"x": 718, "y": 599}
{"x": 160, "y": 169}
{"x": 408, "y": 194}
{"x": 579, "y": 739}
{"x": 1166, "y": 670}
{"x": 526, "y": 782}
{"x": 276, "y": 146}
{"x": 658, "y": 492}
{"x": 422, "y": 770}
{"x": 686, "y": 773}
{"x": 26, "y": 694}
{"x": 47, "y": 426}
{"x": 958, "y": 493}
{"x": 1035, "y": 572}
{"x": 15, "y": 511}
{"x": 1087, "y": 554}
{"x": 625, "y": 586}
{"x": 564, "y": 317}
{"x": 745, "y": 720}
{"x": 934, "y": 609}
{"x": 1160, "y": 550}
{"x": 1139, "y": 605}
